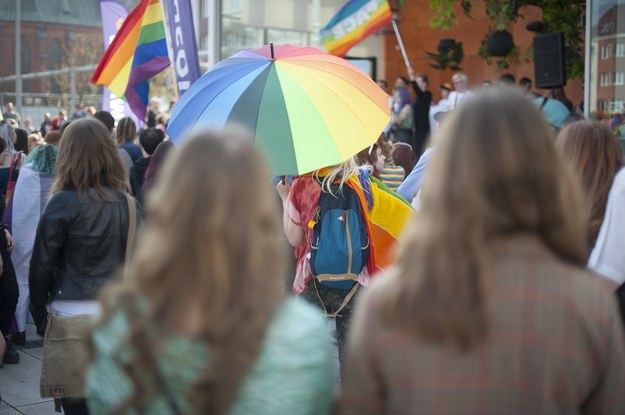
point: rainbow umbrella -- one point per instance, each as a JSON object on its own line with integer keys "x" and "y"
{"x": 305, "y": 108}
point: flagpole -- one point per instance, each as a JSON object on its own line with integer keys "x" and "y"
{"x": 401, "y": 47}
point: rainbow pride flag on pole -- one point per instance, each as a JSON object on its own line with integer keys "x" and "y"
{"x": 355, "y": 21}
{"x": 138, "y": 52}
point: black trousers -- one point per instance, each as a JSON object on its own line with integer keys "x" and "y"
{"x": 331, "y": 299}
{"x": 9, "y": 292}
{"x": 74, "y": 407}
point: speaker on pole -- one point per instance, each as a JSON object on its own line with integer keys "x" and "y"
{"x": 549, "y": 60}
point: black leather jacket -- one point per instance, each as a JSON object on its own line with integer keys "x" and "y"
{"x": 78, "y": 247}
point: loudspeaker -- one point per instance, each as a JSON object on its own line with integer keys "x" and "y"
{"x": 549, "y": 60}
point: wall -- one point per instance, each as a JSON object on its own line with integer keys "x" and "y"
{"x": 419, "y": 38}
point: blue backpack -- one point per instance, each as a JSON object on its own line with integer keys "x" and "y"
{"x": 340, "y": 244}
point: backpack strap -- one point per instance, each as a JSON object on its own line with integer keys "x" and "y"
{"x": 346, "y": 300}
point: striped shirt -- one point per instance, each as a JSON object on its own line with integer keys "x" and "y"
{"x": 392, "y": 176}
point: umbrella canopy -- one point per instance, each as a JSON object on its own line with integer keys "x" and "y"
{"x": 305, "y": 108}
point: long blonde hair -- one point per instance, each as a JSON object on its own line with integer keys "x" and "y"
{"x": 495, "y": 172}
{"x": 339, "y": 174}
{"x": 88, "y": 159}
{"x": 209, "y": 252}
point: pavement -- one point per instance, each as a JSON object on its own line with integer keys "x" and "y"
{"x": 19, "y": 384}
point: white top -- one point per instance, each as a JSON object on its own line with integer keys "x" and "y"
{"x": 455, "y": 98}
{"x": 67, "y": 308}
{"x": 608, "y": 256}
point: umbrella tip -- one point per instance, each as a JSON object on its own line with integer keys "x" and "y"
{"x": 273, "y": 58}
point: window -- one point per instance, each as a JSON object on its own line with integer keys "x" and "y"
{"x": 619, "y": 78}
{"x": 619, "y": 50}
{"x": 604, "y": 80}
{"x": 617, "y": 105}
{"x": 605, "y": 51}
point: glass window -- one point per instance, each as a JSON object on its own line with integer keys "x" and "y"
{"x": 619, "y": 78}
{"x": 605, "y": 79}
{"x": 620, "y": 50}
{"x": 605, "y": 52}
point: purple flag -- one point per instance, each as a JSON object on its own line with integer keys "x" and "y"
{"x": 180, "y": 19}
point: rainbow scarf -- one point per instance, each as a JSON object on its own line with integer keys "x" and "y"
{"x": 355, "y": 21}
{"x": 138, "y": 52}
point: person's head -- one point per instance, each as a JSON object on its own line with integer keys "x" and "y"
{"x": 155, "y": 104}
{"x": 21, "y": 140}
{"x": 64, "y": 127}
{"x": 90, "y": 111}
{"x": 126, "y": 130}
{"x": 372, "y": 157}
{"x": 9, "y": 107}
{"x": 404, "y": 156}
{"x": 594, "y": 154}
{"x": 46, "y": 117}
{"x": 485, "y": 85}
{"x": 382, "y": 84}
{"x": 213, "y": 261}
{"x": 401, "y": 97}
{"x": 509, "y": 181}
{"x": 7, "y": 132}
{"x": 62, "y": 114}
{"x": 88, "y": 160}
{"x": 33, "y": 141}
{"x": 105, "y": 118}
{"x": 444, "y": 89}
{"x": 162, "y": 152}
{"x": 422, "y": 82}
{"x": 507, "y": 79}
{"x": 150, "y": 138}
{"x": 525, "y": 84}
{"x": 14, "y": 123}
{"x": 27, "y": 122}
{"x": 402, "y": 82}
{"x": 43, "y": 159}
{"x": 4, "y": 152}
{"x": 460, "y": 82}
{"x": 53, "y": 138}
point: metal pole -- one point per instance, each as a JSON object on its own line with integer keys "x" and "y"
{"x": 18, "y": 56}
{"x": 315, "y": 39}
{"x": 72, "y": 90}
{"x": 401, "y": 46}
{"x": 587, "y": 69}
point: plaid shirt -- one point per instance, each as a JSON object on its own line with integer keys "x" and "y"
{"x": 556, "y": 347}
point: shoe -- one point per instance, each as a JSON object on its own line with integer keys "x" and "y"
{"x": 19, "y": 338}
{"x": 11, "y": 356}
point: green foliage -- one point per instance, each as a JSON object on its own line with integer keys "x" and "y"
{"x": 558, "y": 15}
{"x": 447, "y": 58}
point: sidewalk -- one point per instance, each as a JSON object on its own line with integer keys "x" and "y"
{"x": 19, "y": 384}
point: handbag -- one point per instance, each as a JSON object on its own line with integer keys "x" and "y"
{"x": 16, "y": 164}
{"x": 65, "y": 353}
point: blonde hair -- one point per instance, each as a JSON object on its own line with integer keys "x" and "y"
{"x": 341, "y": 173}
{"x": 594, "y": 155}
{"x": 88, "y": 160}
{"x": 126, "y": 130}
{"x": 483, "y": 184}
{"x": 215, "y": 259}
{"x": 458, "y": 77}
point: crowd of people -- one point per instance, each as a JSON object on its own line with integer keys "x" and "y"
{"x": 476, "y": 265}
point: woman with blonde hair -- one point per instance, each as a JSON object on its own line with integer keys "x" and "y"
{"x": 79, "y": 244}
{"x": 199, "y": 324}
{"x": 490, "y": 309}
{"x": 594, "y": 155}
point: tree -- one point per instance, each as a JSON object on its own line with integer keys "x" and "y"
{"x": 564, "y": 16}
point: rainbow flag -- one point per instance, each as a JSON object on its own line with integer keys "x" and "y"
{"x": 355, "y": 21}
{"x": 138, "y": 52}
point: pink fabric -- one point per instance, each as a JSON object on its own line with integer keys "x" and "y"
{"x": 301, "y": 205}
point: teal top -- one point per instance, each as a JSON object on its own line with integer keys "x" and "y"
{"x": 292, "y": 374}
